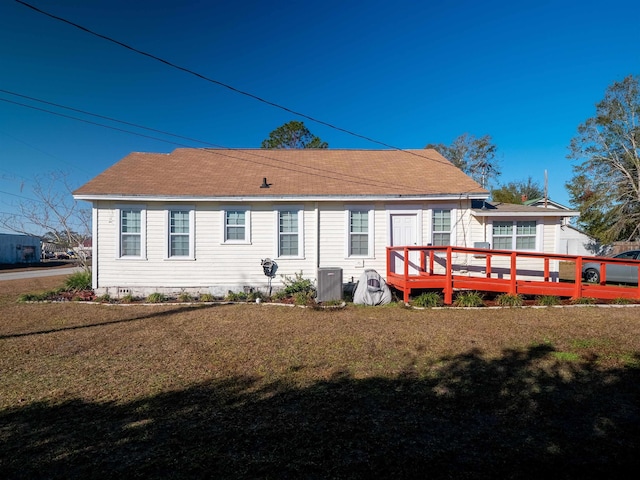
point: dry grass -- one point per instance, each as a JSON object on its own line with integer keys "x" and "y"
{"x": 262, "y": 391}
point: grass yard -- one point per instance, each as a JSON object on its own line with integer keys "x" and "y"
{"x": 262, "y": 391}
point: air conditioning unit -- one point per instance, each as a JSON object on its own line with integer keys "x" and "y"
{"x": 329, "y": 284}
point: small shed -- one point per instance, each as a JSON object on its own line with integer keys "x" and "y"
{"x": 16, "y": 248}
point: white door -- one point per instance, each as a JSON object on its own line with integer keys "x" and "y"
{"x": 404, "y": 232}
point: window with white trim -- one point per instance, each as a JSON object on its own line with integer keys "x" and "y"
{"x": 131, "y": 231}
{"x": 359, "y": 231}
{"x": 441, "y": 227}
{"x": 236, "y": 225}
{"x": 289, "y": 232}
{"x": 180, "y": 233}
{"x": 514, "y": 235}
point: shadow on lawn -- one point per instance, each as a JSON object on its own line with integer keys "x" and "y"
{"x": 152, "y": 314}
{"x": 519, "y": 416}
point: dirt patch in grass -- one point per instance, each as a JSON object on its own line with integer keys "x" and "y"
{"x": 264, "y": 391}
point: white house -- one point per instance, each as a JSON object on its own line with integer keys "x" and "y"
{"x": 202, "y": 220}
{"x": 571, "y": 240}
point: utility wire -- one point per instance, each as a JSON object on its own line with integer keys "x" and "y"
{"x": 211, "y": 80}
{"x": 222, "y": 151}
{"x": 84, "y": 112}
{"x": 203, "y": 77}
{"x": 90, "y": 122}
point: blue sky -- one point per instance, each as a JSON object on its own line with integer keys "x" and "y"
{"x": 405, "y": 73}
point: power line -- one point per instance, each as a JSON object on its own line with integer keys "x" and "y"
{"x": 41, "y": 151}
{"x": 203, "y": 77}
{"x": 90, "y": 122}
{"x": 211, "y": 80}
{"x": 111, "y": 119}
{"x": 222, "y": 150}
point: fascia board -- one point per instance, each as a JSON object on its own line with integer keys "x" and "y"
{"x": 278, "y": 198}
{"x": 542, "y": 213}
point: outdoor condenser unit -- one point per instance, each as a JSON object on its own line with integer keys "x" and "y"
{"x": 329, "y": 284}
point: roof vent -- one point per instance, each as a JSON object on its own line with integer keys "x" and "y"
{"x": 264, "y": 183}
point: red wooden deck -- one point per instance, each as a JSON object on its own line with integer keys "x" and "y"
{"x": 504, "y": 271}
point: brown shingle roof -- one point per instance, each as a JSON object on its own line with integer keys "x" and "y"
{"x": 194, "y": 172}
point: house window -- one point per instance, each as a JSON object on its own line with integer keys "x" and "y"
{"x": 441, "y": 228}
{"x": 526, "y": 235}
{"x": 503, "y": 235}
{"x": 236, "y": 225}
{"x": 290, "y": 233}
{"x": 514, "y": 235}
{"x": 359, "y": 232}
{"x": 131, "y": 232}
{"x": 180, "y": 229}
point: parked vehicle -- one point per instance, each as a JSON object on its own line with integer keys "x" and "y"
{"x": 615, "y": 273}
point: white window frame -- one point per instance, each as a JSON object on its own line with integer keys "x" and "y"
{"x": 453, "y": 212}
{"x": 247, "y": 225}
{"x": 514, "y": 234}
{"x": 192, "y": 217}
{"x": 143, "y": 232}
{"x": 370, "y": 230}
{"x": 300, "y": 212}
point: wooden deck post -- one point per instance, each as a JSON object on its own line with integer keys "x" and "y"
{"x": 577, "y": 293}
{"x": 513, "y": 275}
{"x": 407, "y": 289}
{"x": 448, "y": 286}
{"x": 546, "y": 270}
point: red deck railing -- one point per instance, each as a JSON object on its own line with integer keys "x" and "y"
{"x": 449, "y": 269}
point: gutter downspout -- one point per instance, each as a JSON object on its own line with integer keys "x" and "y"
{"x": 317, "y": 235}
{"x": 94, "y": 247}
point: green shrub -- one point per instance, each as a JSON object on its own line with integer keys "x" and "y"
{"x": 78, "y": 281}
{"x": 584, "y": 301}
{"x": 298, "y": 284}
{"x": 427, "y": 299}
{"x": 34, "y": 297}
{"x": 303, "y": 298}
{"x": 279, "y": 295}
{"x": 509, "y": 300}
{"x": 253, "y": 296}
{"x": 469, "y": 299}
{"x": 547, "y": 300}
{"x": 206, "y": 297}
{"x": 235, "y": 296}
{"x": 621, "y": 301}
{"x": 185, "y": 297}
{"x": 156, "y": 297}
{"x": 106, "y": 298}
{"x": 128, "y": 298}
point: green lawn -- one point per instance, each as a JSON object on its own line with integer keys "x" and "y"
{"x": 263, "y": 391}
